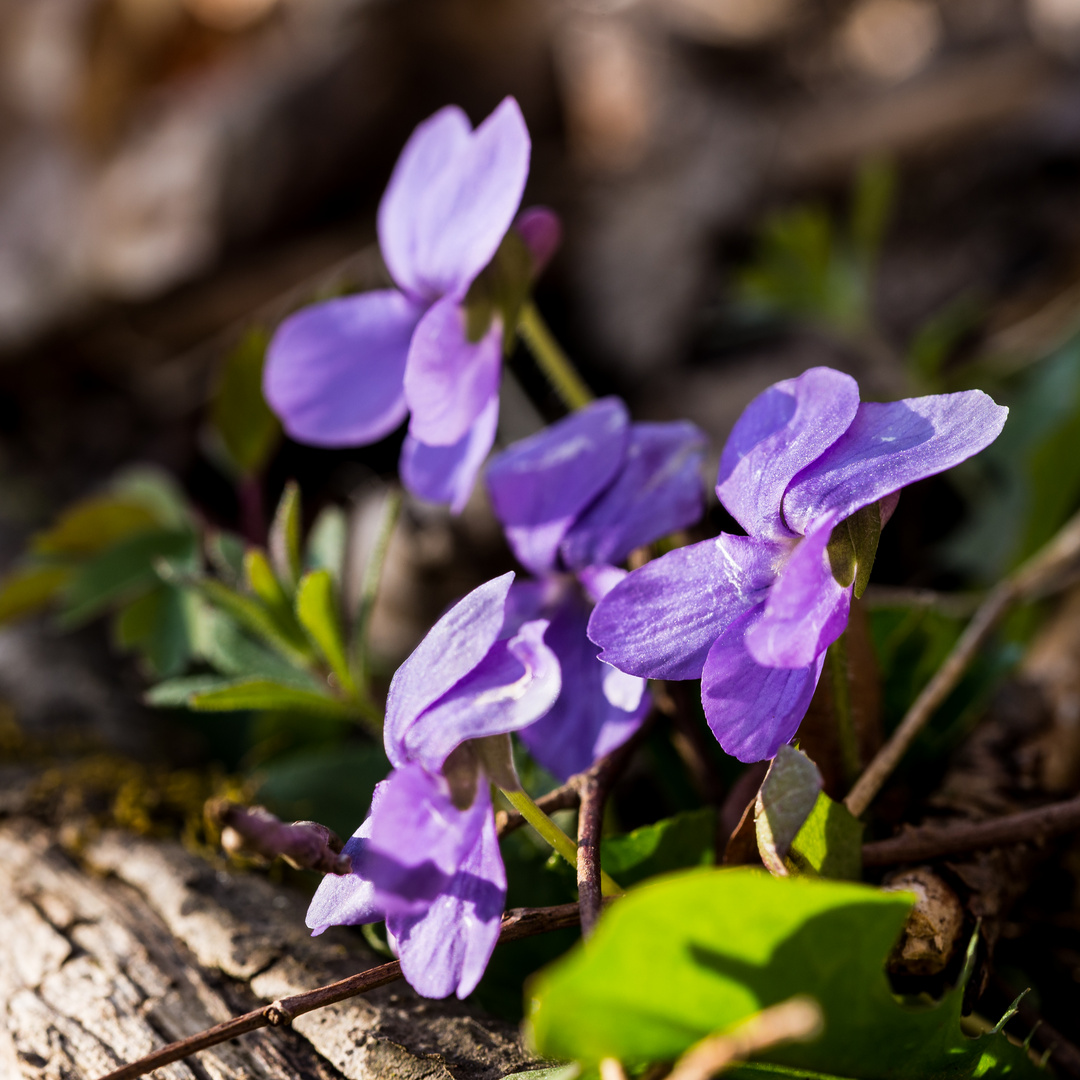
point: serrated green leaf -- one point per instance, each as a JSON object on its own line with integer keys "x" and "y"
{"x": 225, "y": 646}
{"x": 176, "y": 693}
{"x": 326, "y": 544}
{"x": 317, "y": 610}
{"x": 156, "y": 627}
{"x": 93, "y": 525}
{"x": 29, "y": 589}
{"x": 123, "y": 572}
{"x": 784, "y": 803}
{"x": 252, "y": 615}
{"x": 248, "y": 429}
{"x": 226, "y": 551}
{"x": 285, "y": 537}
{"x": 158, "y": 491}
{"x": 245, "y": 694}
{"x": 683, "y": 957}
{"x": 830, "y": 842}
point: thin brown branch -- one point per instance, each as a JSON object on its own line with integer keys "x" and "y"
{"x": 931, "y": 842}
{"x": 594, "y": 786}
{"x": 517, "y": 923}
{"x": 1039, "y": 575}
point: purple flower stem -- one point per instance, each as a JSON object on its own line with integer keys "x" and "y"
{"x": 516, "y": 924}
{"x": 551, "y": 359}
{"x": 1049, "y": 569}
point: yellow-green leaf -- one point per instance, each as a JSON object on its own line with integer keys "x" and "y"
{"x": 317, "y": 610}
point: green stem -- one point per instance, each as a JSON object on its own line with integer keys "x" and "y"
{"x": 552, "y": 834}
{"x": 841, "y": 691}
{"x": 550, "y": 358}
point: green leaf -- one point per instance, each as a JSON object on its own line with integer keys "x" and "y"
{"x": 692, "y": 954}
{"x": 326, "y": 545}
{"x": 29, "y": 589}
{"x": 248, "y": 429}
{"x": 784, "y": 803}
{"x": 261, "y": 580}
{"x": 243, "y": 694}
{"x": 554, "y": 1072}
{"x": 158, "y": 491}
{"x": 123, "y": 572}
{"x": 285, "y": 537}
{"x": 829, "y": 844}
{"x": 226, "y": 647}
{"x": 226, "y": 551}
{"x": 317, "y": 610}
{"x": 93, "y": 525}
{"x": 156, "y": 626}
{"x": 176, "y": 693}
{"x": 675, "y": 843}
{"x": 252, "y": 615}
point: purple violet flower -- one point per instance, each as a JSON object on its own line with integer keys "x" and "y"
{"x": 346, "y": 372}
{"x": 575, "y": 499}
{"x": 812, "y": 474}
{"x": 427, "y": 858}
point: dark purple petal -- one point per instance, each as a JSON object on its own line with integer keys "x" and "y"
{"x": 540, "y": 484}
{"x": 889, "y": 446}
{"x": 451, "y": 199}
{"x": 418, "y": 840}
{"x": 662, "y": 620}
{"x": 753, "y": 710}
{"x": 779, "y": 433}
{"x": 806, "y": 610}
{"x": 449, "y": 380}
{"x": 657, "y": 490}
{"x": 541, "y": 230}
{"x": 446, "y": 474}
{"x": 334, "y": 371}
{"x": 445, "y": 950}
{"x": 452, "y": 648}
{"x": 599, "y": 708}
{"x": 347, "y": 899}
{"x": 514, "y": 685}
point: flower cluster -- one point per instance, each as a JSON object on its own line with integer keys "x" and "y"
{"x": 347, "y": 372}
{"x": 427, "y": 859}
{"x": 575, "y": 500}
{"x": 811, "y": 473}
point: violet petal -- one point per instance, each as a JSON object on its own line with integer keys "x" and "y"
{"x": 446, "y": 474}
{"x": 446, "y": 950}
{"x": 514, "y": 685}
{"x": 451, "y": 199}
{"x": 661, "y": 621}
{"x": 657, "y": 490}
{"x": 449, "y": 380}
{"x": 540, "y": 484}
{"x": 417, "y": 841}
{"x": 753, "y": 710}
{"x": 347, "y": 899}
{"x": 807, "y": 608}
{"x": 889, "y": 446}
{"x": 585, "y": 722}
{"x": 779, "y": 433}
{"x": 334, "y": 371}
{"x": 451, "y": 649}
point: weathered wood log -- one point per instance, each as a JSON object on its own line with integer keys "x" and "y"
{"x": 141, "y": 943}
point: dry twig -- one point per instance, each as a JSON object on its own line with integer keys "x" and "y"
{"x": 517, "y": 923}
{"x": 1036, "y": 576}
